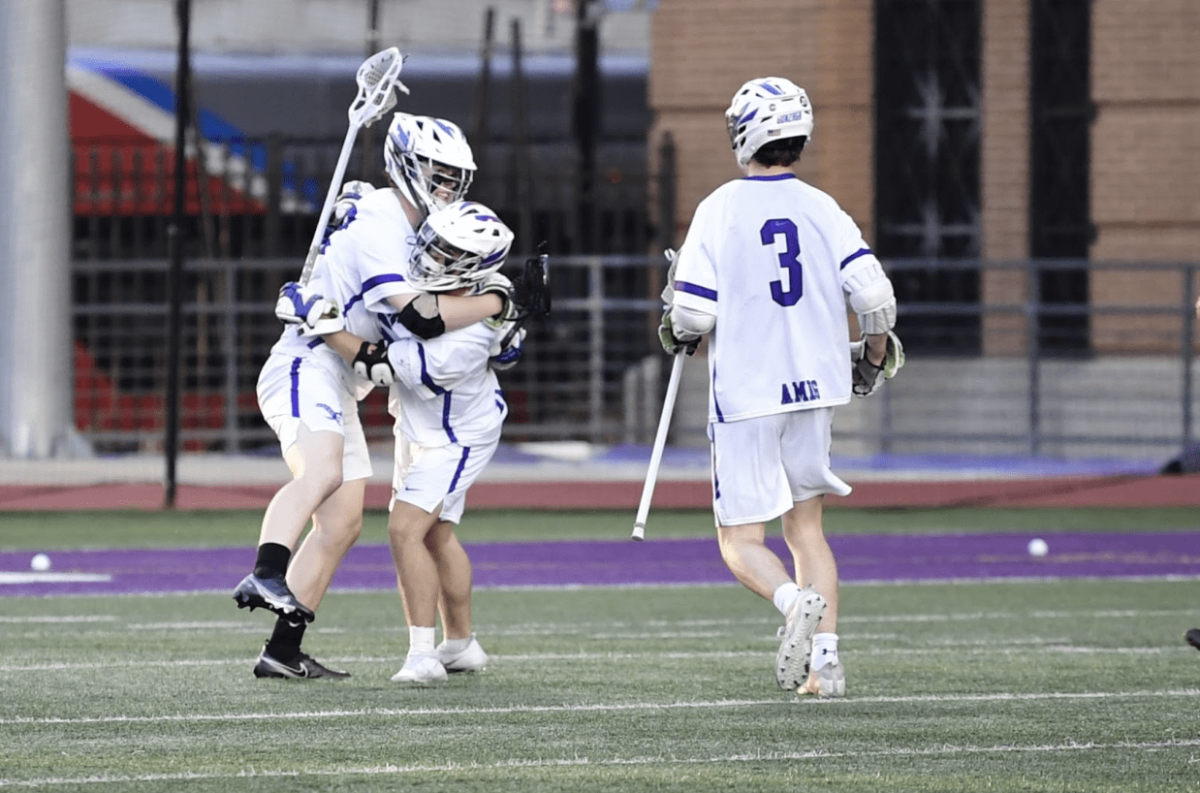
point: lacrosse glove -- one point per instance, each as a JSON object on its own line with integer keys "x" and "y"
{"x": 865, "y": 376}
{"x": 371, "y": 363}
{"x": 671, "y": 343}
{"x": 313, "y": 314}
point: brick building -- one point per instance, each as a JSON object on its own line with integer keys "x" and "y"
{"x": 996, "y": 130}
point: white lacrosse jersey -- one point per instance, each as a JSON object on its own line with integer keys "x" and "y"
{"x": 444, "y": 390}
{"x": 767, "y": 255}
{"x": 362, "y": 264}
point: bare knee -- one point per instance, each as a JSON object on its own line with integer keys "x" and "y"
{"x": 732, "y": 537}
{"x": 339, "y": 535}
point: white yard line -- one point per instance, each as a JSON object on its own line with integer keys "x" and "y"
{"x": 941, "y": 750}
{"x": 600, "y": 707}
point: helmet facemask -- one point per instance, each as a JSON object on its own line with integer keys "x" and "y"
{"x": 458, "y": 246}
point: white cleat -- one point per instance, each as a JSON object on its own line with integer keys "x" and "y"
{"x": 470, "y": 659}
{"x": 421, "y": 669}
{"x": 828, "y": 682}
{"x": 795, "y": 646}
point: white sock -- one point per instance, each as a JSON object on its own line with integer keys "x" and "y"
{"x": 824, "y": 649}
{"x": 785, "y": 596}
{"x": 420, "y": 640}
{"x": 456, "y": 645}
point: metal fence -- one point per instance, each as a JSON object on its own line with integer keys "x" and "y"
{"x": 260, "y": 198}
{"x": 592, "y": 372}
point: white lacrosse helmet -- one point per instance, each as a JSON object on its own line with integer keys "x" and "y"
{"x": 767, "y": 109}
{"x": 458, "y": 245}
{"x": 429, "y": 160}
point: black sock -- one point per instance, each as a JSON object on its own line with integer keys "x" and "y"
{"x": 284, "y": 644}
{"x": 272, "y": 560}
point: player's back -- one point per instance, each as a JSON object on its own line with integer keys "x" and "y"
{"x": 781, "y": 335}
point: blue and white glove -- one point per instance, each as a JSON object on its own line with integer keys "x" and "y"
{"x": 312, "y": 314}
{"x": 506, "y": 351}
{"x": 343, "y": 207}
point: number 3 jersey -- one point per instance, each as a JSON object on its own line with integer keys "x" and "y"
{"x": 768, "y": 257}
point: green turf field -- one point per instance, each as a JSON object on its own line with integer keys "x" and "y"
{"x": 61, "y": 530}
{"x": 1036, "y": 686}
{"x": 1074, "y": 686}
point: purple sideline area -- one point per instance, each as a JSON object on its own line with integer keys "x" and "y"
{"x": 613, "y": 562}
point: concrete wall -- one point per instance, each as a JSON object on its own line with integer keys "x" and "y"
{"x": 952, "y": 402}
{"x": 340, "y": 26}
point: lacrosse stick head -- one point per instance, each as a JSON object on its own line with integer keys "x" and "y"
{"x": 764, "y": 110}
{"x": 428, "y": 160}
{"x": 377, "y": 77}
{"x": 458, "y": 246}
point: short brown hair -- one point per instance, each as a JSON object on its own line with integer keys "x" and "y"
{"x": 780, "y": 152}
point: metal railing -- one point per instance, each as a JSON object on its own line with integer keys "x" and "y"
{"x": 592, "y": 371}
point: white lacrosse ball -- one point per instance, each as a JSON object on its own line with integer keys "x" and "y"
{"x": 40, "y": 562}
{"x": 1038, "y": 547}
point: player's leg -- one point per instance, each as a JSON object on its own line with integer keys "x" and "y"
{"x": 806, "y": 442}
{"x": 459, "y": 650}
{"x": 293, "y": 398}
{"x": 417, "y": 580}
{"x": 750, "y": 488}
{"x": 336, "y": 526}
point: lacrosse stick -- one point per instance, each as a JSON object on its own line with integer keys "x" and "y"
{"x": 660, "y": 441}
{"x": 536, "y": 279}
{"x": 664, "y": 421}
{"x": 376, "y": 78}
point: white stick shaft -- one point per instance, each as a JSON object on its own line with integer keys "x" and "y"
{"x": 335, "y": 185}
{"x": 660, "y": 442}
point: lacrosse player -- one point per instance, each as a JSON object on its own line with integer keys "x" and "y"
{"x": 448, "y": 409}
{"x": 326, "y": 360}
{"x": 767, "y": 266}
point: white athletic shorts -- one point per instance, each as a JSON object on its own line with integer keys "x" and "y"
{"x": 426, "y": 476}
{"x": 295, "y": 390}
{"x": 762, "y": 466}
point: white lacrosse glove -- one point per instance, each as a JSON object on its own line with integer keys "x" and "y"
{"x": 865, "y": 376}
{"x": 506, "y": 351}
{"x": 313, "y": 314}
{"x": 371, "y": 363}
{"x": 342, "y": 206}
{"x": 351, "y": 192}
{"x": 499, "y": 285}
{"x": 673, "y": 344}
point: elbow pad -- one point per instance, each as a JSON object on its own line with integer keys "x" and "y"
{"x": 688, "y": 323}
{"x": 422, "y": 317}
{"x": 871, "y": 297}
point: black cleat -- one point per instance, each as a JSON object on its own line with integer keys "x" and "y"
{"x": 303, "y": 667}
{"x": 271, "y": 594}
{"x": 1193, "y": 637}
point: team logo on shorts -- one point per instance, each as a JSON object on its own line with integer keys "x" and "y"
{"x": 334, "y": 415}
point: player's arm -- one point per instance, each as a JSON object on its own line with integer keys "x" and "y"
{"x": 690, "y": 296}
{"x": 872, "y": 298}
{"x": 429, "y": 316}
{"x": 879, "y": 354}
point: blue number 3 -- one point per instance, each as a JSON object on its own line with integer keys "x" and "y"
{"x": 788, "y": 260}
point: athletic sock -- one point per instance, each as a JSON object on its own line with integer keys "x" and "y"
{"x": 272, "y": 560}
{"x": 420, "y": 640}
{"x": 785, "y": 596}
{"x": 284, "y": 644}
{"x": 456, "y": 645}
{"x": 825, "y": 649}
